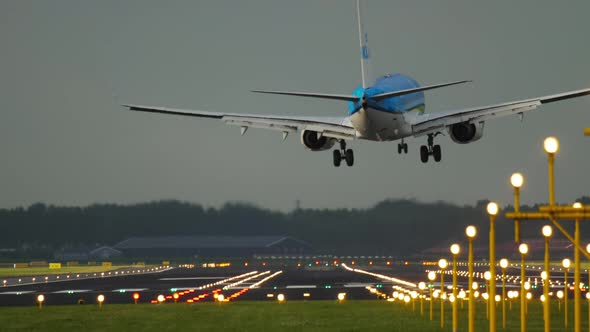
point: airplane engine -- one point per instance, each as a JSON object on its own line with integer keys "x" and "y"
{"x": 466, "y": 132}
{"x": 313, "y": 141}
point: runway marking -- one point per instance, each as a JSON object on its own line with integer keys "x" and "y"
{"x": 191, "y": 278}
{"x": 16, "y": 293}
{"x": 72, "y": 291}
{"x": 123, "y": 290}
{"x": 301, "y": 286}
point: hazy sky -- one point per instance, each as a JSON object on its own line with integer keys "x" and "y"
{"x": 67, "y": 65}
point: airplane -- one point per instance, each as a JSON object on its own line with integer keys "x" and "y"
{"x": 388, "y": 108}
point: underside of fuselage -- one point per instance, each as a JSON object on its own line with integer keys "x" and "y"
{"x": 387, "y": 119}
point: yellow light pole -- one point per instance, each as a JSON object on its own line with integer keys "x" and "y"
{"x": 551, "y": 145}
{"x": 588, "y": 293}
{"x": 523, "y": 249}
{"x": 492, "y": 210}
{"x": 455, "y": 249}
{"x": 487, "y": 276}
{"x": 421, "y": 286}
{"x": 577, "y": 273}
{"x": 431, "y": 277}
{"x": 547, "y": 232}
{"x": 442, "y": 264}
{"x": 504, "y": 265}
{"x": 517, "y": 181}
{"x": 566, "y": 265}
{"x": 586, "y": 131}
{"x": 471, "y": 232}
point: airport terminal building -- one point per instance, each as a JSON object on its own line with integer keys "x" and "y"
{"x": 212, "y": 246}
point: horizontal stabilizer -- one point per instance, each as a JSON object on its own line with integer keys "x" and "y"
{"x": 408, "y": 91}
{"x": 311, "y": 95}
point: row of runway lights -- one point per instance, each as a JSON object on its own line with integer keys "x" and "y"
{"x": 216, "y": 292}
{"x": 86, "y": 275}
{"x": 515, "y": 279}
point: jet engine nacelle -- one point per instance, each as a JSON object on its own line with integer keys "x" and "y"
{"x": 466, "y": 132}
{"x": 315, "y": 142}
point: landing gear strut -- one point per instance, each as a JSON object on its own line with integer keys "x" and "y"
{"x": 430, "y": 150}
{"x": 402, "y": 147}
{"x": 343, "y": 153}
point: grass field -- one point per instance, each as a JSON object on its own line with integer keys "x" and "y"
{"x": 39, "y": 271}
{"x": 263, "y": 316}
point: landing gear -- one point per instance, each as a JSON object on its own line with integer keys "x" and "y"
{"x": 430, "y": 150}
{"x": 402, "y": 148}
{"x": 343, "y": 153}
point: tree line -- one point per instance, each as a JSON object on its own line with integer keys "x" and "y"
{"x": 391, "y": 227}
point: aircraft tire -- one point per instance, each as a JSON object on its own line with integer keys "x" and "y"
{"x": 437, "y": 153}
{"x": 349, "y": 157}
{"x": 337, "y": 158}
{"x": 424, "y": 153}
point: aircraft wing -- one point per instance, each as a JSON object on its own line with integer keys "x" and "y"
{"x": 438, "y": 121}
{"x": 336, "y": 127}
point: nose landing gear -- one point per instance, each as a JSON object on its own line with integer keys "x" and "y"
{"x": 343, "y": 154}
{"x": 430, "y": 150}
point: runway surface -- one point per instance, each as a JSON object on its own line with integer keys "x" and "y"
{"x": 200, "y": 284}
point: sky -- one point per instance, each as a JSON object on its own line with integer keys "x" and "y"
{"x": 66, "y": 66}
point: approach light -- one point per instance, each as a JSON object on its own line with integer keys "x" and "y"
{"x": 577, "y": 205}
{"x": 547, "y": 231}
{"x": 422, "y": 285}
{"x": 516, "y": 180}
{"x": 161, "y": 298}
{"x": 551, "y": 145}
{"x": 503, "y": 263}
{"x": 523, "y": 248}
{"x": 442, "y": 263}
{"x": 341, "y": 296}
{"x": 455, "y": 249}
{"x": 487, "y": 275}
{"x": 566, "y": 263}
{"x": 432, "y": 274}
{"x": 471, "y": 231}
{"x": 280, "y": 298}
{"x": 492, "y": 208}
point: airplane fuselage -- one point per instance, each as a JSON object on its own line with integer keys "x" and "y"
{"x": 388, "y": 119}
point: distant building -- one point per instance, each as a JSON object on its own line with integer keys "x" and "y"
{"x": 211, "y": 246}
{"x": 104, "y": 253}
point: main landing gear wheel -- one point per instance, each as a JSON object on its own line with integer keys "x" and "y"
{"x": 337, "y": 158}
{"x": 430, "y": 150}
{"x": 349, "y": 156}
{"x": 343, "y": 154}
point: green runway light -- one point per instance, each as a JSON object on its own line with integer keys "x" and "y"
{"x": 172, "y": 290}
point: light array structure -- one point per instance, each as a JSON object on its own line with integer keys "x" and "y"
{"x": 555, "y": 213}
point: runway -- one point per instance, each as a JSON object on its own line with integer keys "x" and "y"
{"x": 251, "y": 284}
